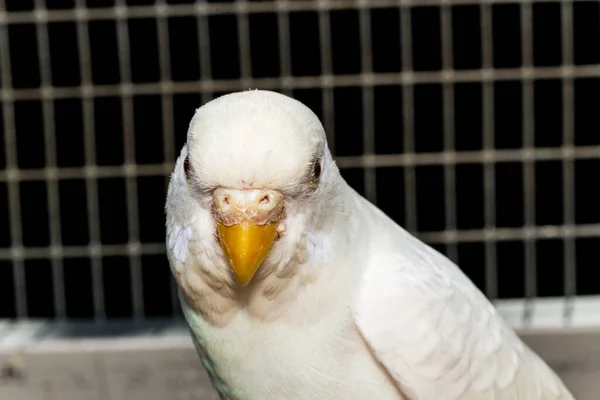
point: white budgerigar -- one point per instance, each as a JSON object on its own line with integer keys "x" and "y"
{"x": 296, "y": 287}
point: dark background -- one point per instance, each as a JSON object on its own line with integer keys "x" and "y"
{"x": 348, "y": 122}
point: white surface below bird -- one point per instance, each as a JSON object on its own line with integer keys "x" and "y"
{"x": 296, "y": 287}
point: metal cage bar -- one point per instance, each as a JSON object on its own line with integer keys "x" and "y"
{"x": 16, "y": 252}
{"x": 204, "y": 50}
{"x": 448, "y": 127}
{"x": 489, "y": 172}
{"x": 324, "y": 80}
{"x": 368, "y": 106}
{"x": 570, "y": 288}
{"x": 408, "y": 125}
{"x": 285, "y": 51}
{"x": 91, "y": 182}
{"x": 528, "y": 165}
{"x": 129, "y": 148}
{"x": 203, "y": 8}
{"x": 244, "y": 42}
{"x": 327, "y": 81}
{"x": 51, "y": 162}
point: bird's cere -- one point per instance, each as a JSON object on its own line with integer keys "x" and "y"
{"x": 257, "y": 206}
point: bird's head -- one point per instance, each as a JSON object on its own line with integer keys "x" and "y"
{"x": 254, "y": 179}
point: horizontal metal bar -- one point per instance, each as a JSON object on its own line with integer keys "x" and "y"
{"x": 92, "y": 251}
{"x": 202, "y": 9}
{"x": 441, "y": 237}
{"x": 469, "y": 157}
{"x": 307, "y": 82}
{"x": 120, "y": 171}
{"x": 364, "y": 161}
{"x": 504, "y": 234}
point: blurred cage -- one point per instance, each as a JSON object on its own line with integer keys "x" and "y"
{"x": 473, "y": 124}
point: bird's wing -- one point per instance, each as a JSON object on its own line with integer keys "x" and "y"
{"x": 436, "y": 333}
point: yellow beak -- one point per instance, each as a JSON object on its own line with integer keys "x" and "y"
{"x": 246, "y": 245}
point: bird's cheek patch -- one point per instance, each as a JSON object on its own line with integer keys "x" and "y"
{"x": 318, "y": 247}
{"x": 179, "y": 241}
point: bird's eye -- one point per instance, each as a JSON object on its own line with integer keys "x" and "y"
{"x": 186, "y": 168}
{"x": 317, "y": 170}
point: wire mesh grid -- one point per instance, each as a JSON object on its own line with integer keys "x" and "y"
{"x": 391, "y": 80}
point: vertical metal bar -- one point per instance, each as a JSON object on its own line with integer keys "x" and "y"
{"x": 410, "y": 185}
{"x": 567, "y": 164}
{"x": 449, "y": 135}
{"x": 283, "y": 34}
{"x": 41, "y": 27}
{"x": 326, "y": 72}
{"x": 12, "y": 170}
{"x": 91, "y": 183}
{"x": 489, "y": 171}
{"x": 367, "y": 103}
{"x": 528, "y": 165}
{"x": 129, "y": 146}
{"x": 166, "y": 98}
{"x": 244, "y": 42}
{"x": 204, "y": 50}
{"x": 166, "y": 83}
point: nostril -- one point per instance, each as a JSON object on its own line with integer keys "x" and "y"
{"x": 265, "y": 200}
